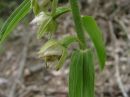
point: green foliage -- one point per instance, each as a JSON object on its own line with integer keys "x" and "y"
{"x": 14, "y": 19}
{"x": 94, "y": 32}
{"x": 81, "y": 75}
{"x": 88, "y": 74}
{"x": 76, "y": 75}
{"x": 78, "y": 23}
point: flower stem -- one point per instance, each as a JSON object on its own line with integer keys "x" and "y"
{"x": 78, "y": 23}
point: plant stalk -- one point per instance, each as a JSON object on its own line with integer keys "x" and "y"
{"x": 78, "y": 23}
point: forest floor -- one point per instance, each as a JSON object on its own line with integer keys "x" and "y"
{"x": 22, "y": 73}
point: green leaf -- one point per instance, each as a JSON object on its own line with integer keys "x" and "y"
{"x": 94, "y": 32}
{"x": 14, "y": 19}
{"x": 76, "y": 75}
{"x": 60, "y": 11}
{"x": 88, "y": 74}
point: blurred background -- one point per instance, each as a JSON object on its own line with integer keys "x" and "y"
{"x": 22, "y": 73}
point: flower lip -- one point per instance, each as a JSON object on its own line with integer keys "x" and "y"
{"x": 52, "y": 58}
{"x": 51, "y": 54}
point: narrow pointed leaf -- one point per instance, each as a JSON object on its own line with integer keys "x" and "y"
{"x": 14, "y": 19}
{"x": 94, "y": 32}
{"x": 88, "y": 74}
{"x": 75, "y": 75}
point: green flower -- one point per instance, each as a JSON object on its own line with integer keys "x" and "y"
{"x": 53, "y": 53}
{"x": 46, "y": 24}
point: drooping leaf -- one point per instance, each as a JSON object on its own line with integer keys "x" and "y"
{"x": 88, "y": 74}
{"x": 14, "y": 19}
{"x": 76, "y": 75}
{"x": 94, "y": 32}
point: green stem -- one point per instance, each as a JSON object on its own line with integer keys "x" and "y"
{"x": 78, "y": 23}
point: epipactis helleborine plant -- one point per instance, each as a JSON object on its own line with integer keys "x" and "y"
{"x": 54, "y": 52}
